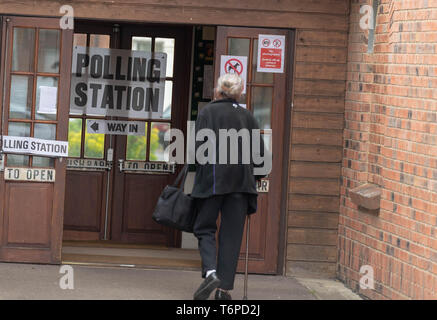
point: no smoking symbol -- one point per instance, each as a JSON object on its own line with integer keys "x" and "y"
{"x": 277, "y": 43}
{"x": 234, "y": 66}
{"x": 266, "y": 42}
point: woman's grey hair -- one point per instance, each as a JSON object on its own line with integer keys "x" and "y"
{"x": 230, "y": 85}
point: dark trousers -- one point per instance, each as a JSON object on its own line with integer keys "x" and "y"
{"x": 233, "y": 208}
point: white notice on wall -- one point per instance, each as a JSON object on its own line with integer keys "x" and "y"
{"x": 234, "y": 64}
{"x": 47, "y": 99}
{"x": 34, "y": 146}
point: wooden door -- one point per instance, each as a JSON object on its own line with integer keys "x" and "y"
{"x": 136, "y": 190}
{"x": 36, "y": 54}
{"x": 89, "y": 171}
{"x": 266, "y": 98}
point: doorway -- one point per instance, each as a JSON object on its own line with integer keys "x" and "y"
{"x": 109, "y": 200}
{"x": 108, "y": 196}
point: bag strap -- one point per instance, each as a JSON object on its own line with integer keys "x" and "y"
{"x": 181, "y": 174}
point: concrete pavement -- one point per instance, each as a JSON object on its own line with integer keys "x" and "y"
{"x": 31, "y": 281}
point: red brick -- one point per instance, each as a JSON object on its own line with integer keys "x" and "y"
{"x": 390, "y": 139}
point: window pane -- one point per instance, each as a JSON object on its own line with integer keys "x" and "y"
{"x": 238, "y": 47}
{"x": 157, "y": 143}
{"x": 21, "y": 97}
{"x": 44, "y": 162}
{"x": 262, "y": 105}
{"x": 167, "y": 100}
{"x": 136, "y": 147}
{"x": 259, "y": 77}
{"x": 267, "y": 137}
{"x": 79, "y": 39}
{"x": 24, "y": 47}
{"x": 48, "y": 50}
{"x": 46, "y": 98}
{"x": 74, "y": 137}
{"x": 17, "y": 160}
{"x": 142, "y": 44}
{"x": 94, "y": 145}
{"x": 166, "y": 45}
{"x": 47, "y": 132}
{"x": 99, "y": 40}
{"x": 18, "y": 129}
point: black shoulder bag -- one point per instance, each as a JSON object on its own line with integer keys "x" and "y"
{"x": 175, "y": 208}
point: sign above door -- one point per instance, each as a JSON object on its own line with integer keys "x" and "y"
{"x": 119, "y": 83}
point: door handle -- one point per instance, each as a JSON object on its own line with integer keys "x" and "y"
{"x": 121, "y": 165}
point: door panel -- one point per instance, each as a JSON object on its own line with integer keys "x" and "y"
{"x": 27, "y": 214}
{"x": 36, "y": 54}
{"x": 87, "y": 186}
{"x": 84, "y": 208}
{"x": 136, "y": 193}
{"x": 137, "y": 224}
{"x": 266, "y": 98}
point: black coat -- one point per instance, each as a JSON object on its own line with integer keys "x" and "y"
{"x": 217, "y": 179}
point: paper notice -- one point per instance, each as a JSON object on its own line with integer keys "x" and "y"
{"x": 47, "y": 99}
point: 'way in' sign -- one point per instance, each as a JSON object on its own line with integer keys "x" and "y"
{"x": 136, "y": 128}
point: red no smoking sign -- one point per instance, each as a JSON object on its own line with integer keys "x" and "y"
{"x": 234, "y": 64}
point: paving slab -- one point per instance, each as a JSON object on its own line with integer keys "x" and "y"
{"x": 33, "y": 281}
{"x": 328, "y": 289}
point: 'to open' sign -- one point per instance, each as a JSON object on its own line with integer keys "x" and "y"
{"x": 30, "y": 174}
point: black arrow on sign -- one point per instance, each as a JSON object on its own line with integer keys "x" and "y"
{"x": 95, "y": 126}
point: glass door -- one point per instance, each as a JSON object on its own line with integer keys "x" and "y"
{"x": 143, "y": 169}
{"x": 89, "y": 166}
{"x": 36, "y": 54}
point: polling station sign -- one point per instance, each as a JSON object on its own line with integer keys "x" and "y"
{"x": 116, "y": 82}
{"x": 35, "y": 146}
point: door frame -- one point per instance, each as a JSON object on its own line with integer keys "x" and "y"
{"x": 49, "y": 252}
{"x": 117, "y": 30}
{"x": 289, "y": 67}
{"x": 289, "y": 98}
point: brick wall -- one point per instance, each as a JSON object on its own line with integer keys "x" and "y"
{"x": 390, "y": 140}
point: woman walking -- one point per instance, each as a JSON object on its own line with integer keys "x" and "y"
{"x": 228, "y": 188}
